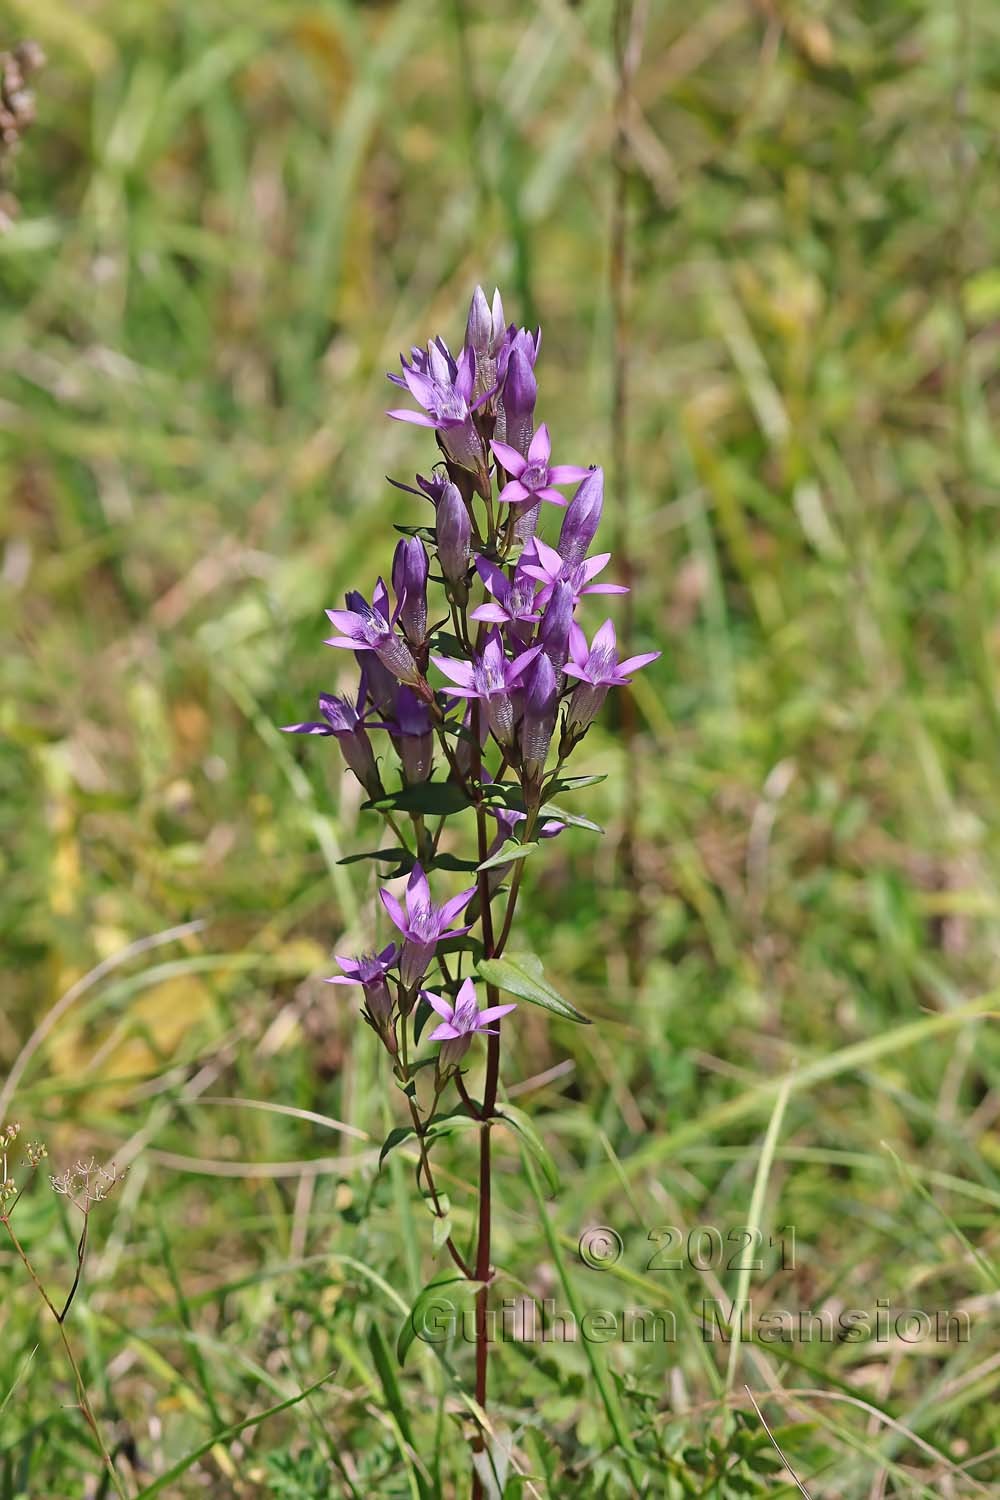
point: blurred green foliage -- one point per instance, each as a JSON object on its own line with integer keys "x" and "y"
{"x": 231, "y": 220}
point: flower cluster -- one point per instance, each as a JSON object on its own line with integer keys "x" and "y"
{"x": 470, "y": 694}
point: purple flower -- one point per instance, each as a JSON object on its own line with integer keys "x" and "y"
{"x": 541, "y": 701}
{"x": 444, "y": 388}
{"x": 342, "y": 719}
{"x": 422, "y": 924}
{"x": 507, "y": 821}
{"x": 532, "y": 477}
{"x": 513, "y": 599}
{"x": 453, "y": 535}
{"x": 491, "y": 678}
{"x": 412, "y": 735}
{"x": 545, "y": 564}
{"x": 369, "y": 970}
{"x": 461, "y": 1022}
{"x": 597, "y": 670}
{"x": 409, "y": 581}
{"x": 367, "y": 627}
{"x": 582, "y": 518}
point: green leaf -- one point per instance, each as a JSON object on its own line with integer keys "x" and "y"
{"x": 507, "y": 855}
{"x": 430, "y": 1313}
{"x": 395, "y": 1138}
{"x": 550, "y": 810}
{"x": 521, "y": 974}
{"x": 436, "y": 798}
{"x": 451, "y": 862}
{"x": 522, "y": 1123}
{"x": 396, "y": 852}
{"x": 575, "y": 783}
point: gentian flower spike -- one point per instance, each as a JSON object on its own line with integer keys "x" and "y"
{"x": 345, "y": 721}
{"x": 544, "y": 563}
{"x": 582, "y": 518}
{"x": 422, "y": 924}
{"x": 461, "y": 1022}
{"x": 491, "y": 678}
{"x": 370, "y": 970}
{"x": 532, "y": 477}
{"x": 597, "y": 670}
{"x": 513, "y": 603}
{"x": 409, "y": 581}
{"x": 367, "y": 627}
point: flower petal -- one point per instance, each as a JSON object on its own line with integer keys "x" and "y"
{"x": 493, "y": 613}
{"x": 633, "y": 663}
{"x": 418, "y": 892}
{"x": 494, "y": 1012}
{"x": 394, "y": 909}
{"x": 416, "y": 417}
{"x": 552, "y": 496}
{"x": 438, "y": 1003}
{"x": 444, "y": 1033}
{"x": 567, "y": 474}
{"x": 514, "y": 462}
{"x": 540, "y": 447}
{"x": 307, "y": 728}
{"x": 513, "y": 492}
{"x": 456, "y": 671}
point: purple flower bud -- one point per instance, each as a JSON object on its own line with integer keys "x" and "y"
{"x": 454, "y": 536}
{"x": 541, "y": 701}
{"x": 515, "y": 417}
{"x": 582, "y": 518}
{"x": 409, "y": 581}
{"x": 557, "y": 621}
{"x": 413, "y": 736}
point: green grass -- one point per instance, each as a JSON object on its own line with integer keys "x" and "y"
{"x": 232, "y": 218}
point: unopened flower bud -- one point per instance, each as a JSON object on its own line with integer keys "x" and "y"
{"x": 582, "y": 518}
{"x": 515, "y": 419}
{"x": 409, "y": 580}
{"x": 454, "y": 537}
{"x": 539, "y": 720}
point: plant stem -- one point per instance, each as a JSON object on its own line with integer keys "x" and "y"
{"x": 483, "y": 1236}
{"x": 81, "y": 1391}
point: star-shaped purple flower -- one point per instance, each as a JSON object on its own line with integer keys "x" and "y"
{"x": 597, "y": 669}
{"x": 444, "y": 387}
{"x": 545, "y": 564}
{"x": 370, "y": 970}
{"x": 490, "y": 677}
{"x": 346, "y": 721}
{"x": 533, "y": 477}
{"x": 369, "y": 627}
{"x": 513, "y": 599}
{"x": 422, "y": 924}
{"x": 460, "y": 1022}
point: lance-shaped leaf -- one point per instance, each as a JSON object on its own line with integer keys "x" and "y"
{"x": 435, "y": 798}
{"x": 507, "y": 854}
{"x": 573, "y": 783}
{"x": 519, "y": 1121}
{"x": 521, "y": 974}
{"x": 433, "y": 1315}
{"x": 550, "y": 810}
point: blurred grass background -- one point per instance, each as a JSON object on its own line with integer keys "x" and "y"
{"x": 232, "y": 219}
